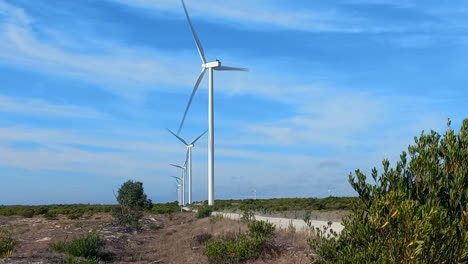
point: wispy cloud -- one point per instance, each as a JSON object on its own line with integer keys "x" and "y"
{"x": 38, "y": 107}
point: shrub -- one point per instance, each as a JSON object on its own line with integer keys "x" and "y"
{"x": 243, "y": 248}
{"x": 133, "y": 201}
{"x": 7, "y": 245}
{"x": 204, "y": 211}
{"x": 154, "y": 227}
{"x": 28, "y": 213}
{"x": 87, "y": 246}
{"x": 247, "y": 216}
{"x": 127, "y": 216}
{"x": 414, "y": 213}
{"x": 76, "y": 214}
{"x": 132, "y": 194}
{"x": 261, "y": 228}
{"x": 50, "y": 216}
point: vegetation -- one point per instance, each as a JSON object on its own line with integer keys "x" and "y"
{"x": 87, "y": 247}
{"x": 416, "y": 212}
{"x": 243, "y": 247}
{"x": 165, "y": 208}
{"x": 204, "y": 211}
{"x": 133, "y": 201}
{"x": 7, "y": 245}
{"x": 285, "y": 204}
{"x": 54, "y": 210}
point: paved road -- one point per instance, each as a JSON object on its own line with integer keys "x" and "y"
{"x": 284, "y": 223}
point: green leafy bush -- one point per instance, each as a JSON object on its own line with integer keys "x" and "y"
{"x": 28, "y": 213}
{"x": 204, "y": 211}
{"x": 7, "y": 245}
{"x": 414, "y": 213}
{"x": 133, "y": 201}
{"x": 247, "y": 216}
{"x": 76, "y": 214}
{"x": 242, "y": 247}
{"x": 261, "y": 228}
{"x": 88, "y": 246}
{"x": 132, "y": 194}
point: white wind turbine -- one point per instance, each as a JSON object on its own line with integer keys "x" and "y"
{"x": 210, "y": 66}
{"x": 183, "y": 168}
{"x": 189, "y": 160}
{"x": 179, "y": 190}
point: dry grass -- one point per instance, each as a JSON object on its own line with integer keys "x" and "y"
{"x": 178, "y": 241}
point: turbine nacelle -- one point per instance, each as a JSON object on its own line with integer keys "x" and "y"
{"x": 213, "y": 64}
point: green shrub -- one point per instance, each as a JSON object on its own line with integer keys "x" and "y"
{"x": 76, "y": 214}
{"x": 132, "y": 194}
{"x": 87, "y": 246}
{"x": 204, "y": 211}
{"x": 127, "y": 216}
{"x": 261, "y": 228}
{"x": 7, "y": 245}
{"x": 247, "y": 216}
{"x": 28, "y": 213}
{"x": 414, "y": 213}
{"x": 50, "y": 215}
{"x": 243, "y": 248}
{"x": 133, "y": 201}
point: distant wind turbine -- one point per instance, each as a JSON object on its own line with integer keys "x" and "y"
{"x": 179, "y": 190}
{"x": 214, "y": 65}
{"x": 189, "y": 160}
{"x": 183, "y": 168}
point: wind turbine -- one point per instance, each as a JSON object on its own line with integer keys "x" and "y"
{"x": 210, "y": 66}
{"x": 179, "y": 189}
{"x": 183, "y": 168}
{"x": 189, "y": 161}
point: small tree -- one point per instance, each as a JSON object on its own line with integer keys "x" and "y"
{"x": 414, "y": 213}
{"x": 132, "y": 194}
{"x": 133, "y": 201}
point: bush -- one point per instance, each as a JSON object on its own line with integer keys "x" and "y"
{"x": 28, "y": 213}
{"x": 127, "y": 216}
{"x": 204, "y": 211}
{"x": 261, "y": 228}
{"x": 133, "y": 201}
{"x": 243, "y": 248}
{"x": 87, "y": 246}
{"x": 50, "y": 216}
{"x": 132, "y": 194}
{"x": 77, "y": 214}
{"x": 414, "y": 213}
{"x": 247, "y": 216}
{"x": 7, "y": 245}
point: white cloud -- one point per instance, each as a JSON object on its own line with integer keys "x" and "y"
{"x": 31, "y": 106}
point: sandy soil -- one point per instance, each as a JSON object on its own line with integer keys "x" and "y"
{"x": 175, "y": 242}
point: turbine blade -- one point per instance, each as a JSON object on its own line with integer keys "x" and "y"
{"x": 227, "y": 68}
{"x": 200, "y": 77}
{"x": 177, "y": 166}
{"x": 181, "y": 139}
{"x": 193, "y": 142}
{"x": 195, "y": 36}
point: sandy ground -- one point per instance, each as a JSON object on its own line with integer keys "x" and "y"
{"x": 174, "y": 242}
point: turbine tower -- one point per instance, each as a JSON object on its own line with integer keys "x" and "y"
{"x": 189, "y": 160}
{"x": 183, "y": 168}
{"x": 179, "y": 190}
{"x": 210, "y": 66}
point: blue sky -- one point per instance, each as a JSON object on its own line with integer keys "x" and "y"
{"x": 88, "y": 88}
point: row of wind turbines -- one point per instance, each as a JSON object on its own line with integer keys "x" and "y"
{"x": 186, "y": 168}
